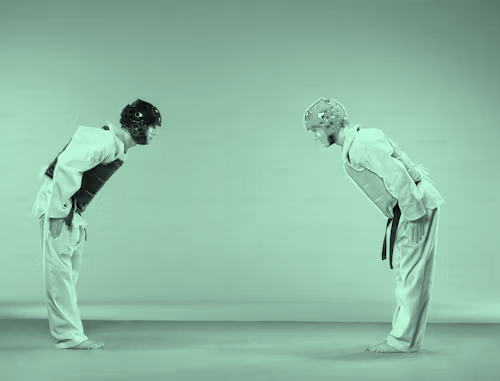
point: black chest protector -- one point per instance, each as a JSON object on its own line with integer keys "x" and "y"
{"x": 92, "y": 181}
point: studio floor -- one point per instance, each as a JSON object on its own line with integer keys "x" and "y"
{"x": 216, "y": 351}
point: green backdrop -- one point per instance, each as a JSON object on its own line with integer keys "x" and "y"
{"x": 234, "y": 212}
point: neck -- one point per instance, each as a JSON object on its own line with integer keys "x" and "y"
{"x": 128, "y": 142}
{"x": 341, "y": 137}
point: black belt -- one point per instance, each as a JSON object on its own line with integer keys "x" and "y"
{"x": 69, "y": 217}
{"x": 394, "y": 228}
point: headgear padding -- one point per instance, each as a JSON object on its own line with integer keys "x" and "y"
{"x": 325, "y": 113}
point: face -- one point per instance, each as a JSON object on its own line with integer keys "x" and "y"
{"x": 321, "y": 136}
{"x": 151, "y": 134}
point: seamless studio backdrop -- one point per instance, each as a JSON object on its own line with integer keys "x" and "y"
{"x": 234, "y": 212}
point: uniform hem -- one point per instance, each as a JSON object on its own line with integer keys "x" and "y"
{"x": 394, "y": 343}
{"x": 70, "y": 344}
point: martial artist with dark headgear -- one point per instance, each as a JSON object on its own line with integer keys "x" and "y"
{"x": 72, "y": 181}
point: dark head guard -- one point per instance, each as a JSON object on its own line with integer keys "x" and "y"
{"x": 137, "y": 117}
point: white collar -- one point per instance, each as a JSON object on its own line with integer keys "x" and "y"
{"x": 350, "y": 135}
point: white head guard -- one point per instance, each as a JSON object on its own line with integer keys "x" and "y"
{"x": 325, "y": 113}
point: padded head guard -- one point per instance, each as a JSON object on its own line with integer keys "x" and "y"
{"x": 137, "y": 117}
{"x": 325, "y": 113}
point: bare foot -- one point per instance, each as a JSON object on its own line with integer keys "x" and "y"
{"x": 89, "y": 344}
{"x": 383, "y": 347}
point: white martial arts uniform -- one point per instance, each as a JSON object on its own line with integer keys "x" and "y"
{"x": 369, "y": 152}
{"x": 62, "y": 256}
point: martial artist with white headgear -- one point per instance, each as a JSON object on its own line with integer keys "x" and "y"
{"x": 404, "y": 193}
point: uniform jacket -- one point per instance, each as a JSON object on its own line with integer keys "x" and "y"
{"x": 386, "y": 175}
{"x": 89, "y": 150}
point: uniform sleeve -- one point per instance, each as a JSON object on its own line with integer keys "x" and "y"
{"x": 82, "y": 154}
{"x": 375, "y": 155}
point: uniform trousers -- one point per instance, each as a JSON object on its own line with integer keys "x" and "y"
{"x": 414, "y": 265}
{"x": 62, "y": 260}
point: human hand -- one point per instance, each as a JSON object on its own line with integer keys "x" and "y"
{"x": 56, "y": 226}
{"x": 416, "y": 229}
